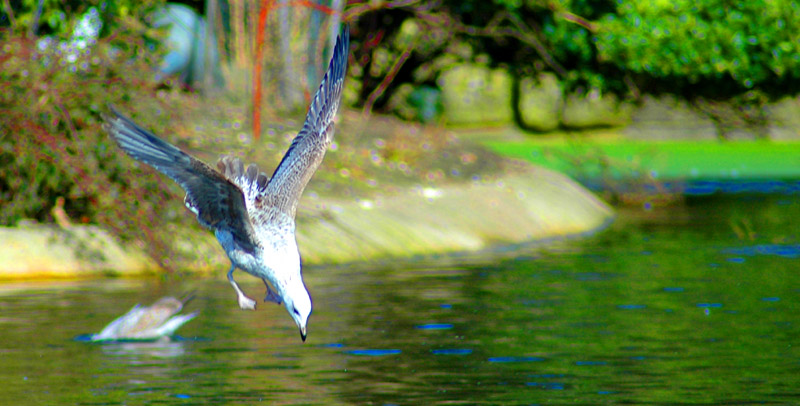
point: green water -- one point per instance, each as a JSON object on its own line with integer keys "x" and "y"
{"x": 692, "y": 304}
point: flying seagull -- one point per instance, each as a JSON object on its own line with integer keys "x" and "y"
{"x": 252, "y": 215}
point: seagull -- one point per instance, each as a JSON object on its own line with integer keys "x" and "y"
{"x": 252, "y": 215}
{"x": 147, "y": 322}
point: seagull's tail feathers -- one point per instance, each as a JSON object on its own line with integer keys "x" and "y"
{"x": 144, "y": 145}
{"x": 251, "y": 180}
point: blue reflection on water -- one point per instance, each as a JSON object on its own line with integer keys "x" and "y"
{"x": 373, "y": 352}
{"x": 434, "y": 326}
{"x": 516, "y": 359}
{"x": 590, "y": 363}
{"x": 631, "y": 306}
{"x": 734, "y": 186}
{"x": 546, "y": 385}
{"x": 452, "y": 351}
{"x": 709, "y": 305}
{"x": 781, "y": 250}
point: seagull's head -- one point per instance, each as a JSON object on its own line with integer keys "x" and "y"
{"x": 298, "y": 304}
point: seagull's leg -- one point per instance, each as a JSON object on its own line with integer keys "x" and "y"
{"x": 271, "y": 296}
{"x": 244, "y": 302}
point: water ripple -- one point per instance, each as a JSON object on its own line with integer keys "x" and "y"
{"x": 373, "y": 352}
{"x": 452, "y": 351}
{"x": 631, "y": 306}
{"x": 516, "y": 359}
{"x": 590, "y": 363}
{"x": 781, "y": 250}
{"x": 547, "y": 385}
{"x": 434, "y": 326}
{"x": 709, "y": 305}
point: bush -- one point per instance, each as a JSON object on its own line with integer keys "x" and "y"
{"x": 51, "y": 143}
{"x": 711, "y": 48}
{"x": 744, "y": 43}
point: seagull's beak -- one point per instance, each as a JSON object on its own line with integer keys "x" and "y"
{"x": 303, "y": 333}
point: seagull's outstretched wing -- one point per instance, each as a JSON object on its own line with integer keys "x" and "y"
{"x": 218, "y": 203}
{"x": 308, "y": 147}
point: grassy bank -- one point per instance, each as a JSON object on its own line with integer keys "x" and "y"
{"x": 618, "y": 158}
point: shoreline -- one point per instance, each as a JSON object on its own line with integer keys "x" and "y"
{"x": 535, "y": 205}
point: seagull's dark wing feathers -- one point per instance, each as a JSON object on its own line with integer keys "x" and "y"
{"x": 218, "y": 203}
{"x": 308, "y": 147}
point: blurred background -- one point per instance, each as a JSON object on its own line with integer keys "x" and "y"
{"x": 642, "y": 102}
{"x": 526, "y": 202}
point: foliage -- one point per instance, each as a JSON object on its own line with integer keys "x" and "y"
{"x": 565, "y": 28}
{"x": 51, "y": 144}
{"x": 712, "y": 48}
{"x": 56, "y": 17}
{"x": 746, "y": 43}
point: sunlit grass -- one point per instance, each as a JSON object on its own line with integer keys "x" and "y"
{"x": 665, "y": 160}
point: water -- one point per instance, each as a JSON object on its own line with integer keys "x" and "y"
{"x": 694, "y": 304}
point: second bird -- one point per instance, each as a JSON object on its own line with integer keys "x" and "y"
{"x": 252, "y": 215}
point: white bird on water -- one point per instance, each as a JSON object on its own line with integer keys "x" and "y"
{"x": 252, "y": 215}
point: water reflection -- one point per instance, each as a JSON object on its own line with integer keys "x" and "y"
{"x": 649, "y": 312}
{"x": 136, "y": 350}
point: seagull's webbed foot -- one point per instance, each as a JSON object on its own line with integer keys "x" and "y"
{"x": 271, "y": 296}
{"x": 245, "y": 303}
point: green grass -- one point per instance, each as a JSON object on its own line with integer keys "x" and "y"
{"x": 664, "y": 160}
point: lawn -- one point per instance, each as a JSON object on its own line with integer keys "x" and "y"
{"x": 662, "y": 160}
